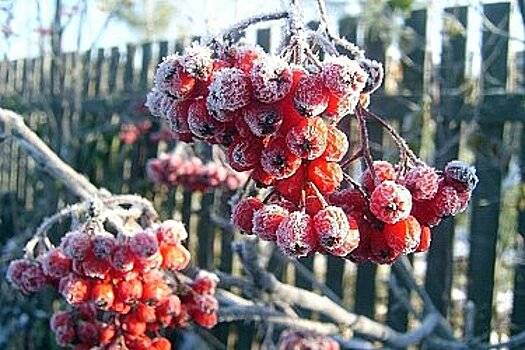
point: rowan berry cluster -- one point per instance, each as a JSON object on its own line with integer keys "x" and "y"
{"x": 277, "y": 117}
{"x": 192, "y": 174}
{"x": 120, "y": 292}
{"x": 297, "y": 340}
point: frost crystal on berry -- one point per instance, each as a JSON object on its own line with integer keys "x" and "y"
{"x": 244, "y": 154}
{"x": 462, "y": 173}
{"x": 197, "y": 61}
{"x": 74, "y": 289}
{"x": 331, "y": 225}
{"x": 336, "y": 144}
{"x": 143, "y": 245}
{"x": 76, "y": 245}
{"x": 271, "y": 79}
{"x": 343, "y": 76}
{"x": 390, "y": 202}
{"x": 263, "y": 120}
{"x": 171, "y": 232}
{"x": 170, "y": 78}
{"x": 266, "y": 221}
{"x": 308, "y": 139}
{"x": 383, "y": 170}
{"x": 446, "y": 201}
{"x": 242, "y": 213}
{"x": 296, "y": 236}
{"x": 200, "y": 122}
{"x": 55, "y": 263}
{"x": 375, "y": 74}
{"x": 154, "y": 102}
{"x": 229, "y": 90}
{"x": 311, "y": 98}
{"x": 103, "y": 245}
{"x": 277, "y": 160}
{"x": 422, "y": 182}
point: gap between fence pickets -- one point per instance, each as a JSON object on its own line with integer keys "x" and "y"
{"x": 238, "y": 308}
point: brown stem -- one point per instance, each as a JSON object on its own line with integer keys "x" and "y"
{"x": 365, "y": 143}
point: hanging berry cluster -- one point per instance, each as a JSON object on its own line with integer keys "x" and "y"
{"x": 192, "y": 174}
{"x": 278, "y": 117}
{"x": 120, "y": 291}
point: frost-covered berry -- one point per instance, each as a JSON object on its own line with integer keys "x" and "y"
{"x": 129, "y": 291}
{"x": 343, "y": 76}
{"x": 263, "y": 120}
{"x": 336, "y": 144}
{"x": 327, "y": 176}
{"x": 461, "y": 173}
{"x": 65, "y": 335}
{"x": 243, "y": 211}
{"x": 446, "y": 201}
{"x": 87, "y": 333}
{"x": 143, "y": 245}
{"x": 308, "y": 139}
{"x": 388, "y": 243}
{"x": 350, "y": 241}
{"x": 426, "y": 212}
{"x": 197, "y": 61}
{"x": 177, "y": 115}
{"x": 422, "y": 182}
{"x": 102, "y": 295}
{"x": 424, "y": 242}
{"x": 340, "y": 106}
{"x": 229, "y": 90}
{"x": 375, "y": 74}
{"x": 60, "y": 319}
{"x": 390, "y": 202}
{"x": 94, "y": 267}
{"x": 243, "y": 57}
{"x": 383, "y": 170}
{"x": 200, "y": 122}
{"x": 278, "y": 160}
{"x": 76, "y": 245}
{"x": 15, "y": 270}
{"x": 203, "y": 310}
{"x": 271, "y": 79}
{"x": 266, "y": 221}
{"x": 244, "y": 154}
{"x": 171, "y": 78}
{"x": 291, "y": 188}
{"x": 55, "y": 263}
{"x": 122, "y": 259}
{"x": 74, "y": 289}
{"x": 174, "y": 257}
{"x": 26, "y": 275}
{"x": 311, "y": 98}
{"x": 296, "y": 236}
{"x": 331, "y": 226}
{"x": 103, "y": 245}
{"x": 160, "y": 343}
{"x": 413, "y": 235}
{"x": 154, "y": 100}
{"x": 171, "y": 232}
{"x": 350, "y": 200}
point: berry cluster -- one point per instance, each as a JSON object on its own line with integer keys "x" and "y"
{"x": 121, "y": 291}
{"x": 297, "y": 340}
{"x": 190, "y": 173}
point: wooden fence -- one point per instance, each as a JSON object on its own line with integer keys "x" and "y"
{"x": 77, "y": 103}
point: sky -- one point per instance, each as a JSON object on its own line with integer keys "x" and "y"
{"x": 200, "y": 17}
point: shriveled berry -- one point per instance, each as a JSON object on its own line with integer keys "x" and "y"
{"x": 343, "y": 76}
{"x": 263, "y": 120}
{"x": 271, "y": 79}
{"x": 200, "y": 122}
{"x": 422, "y": 182}
{"x": 383, "y": 171}
{"x": 325, "y": 175}
{"x": 336, "y": 144}
{"x": 331, "y": 226}
{"x": 55, "y": 263}
{"x": 308, "y": 139}
{"x": 243, "y": 211}
{"x": 390, "y": 202}
{"x": 266, "y": 221}
{"x": 278, "y": 160}
{"x": 311, "y": 97}
{"x": 296, "y": 235}
{"x": 229, "y": 90}
{"x": 375, "y": 74}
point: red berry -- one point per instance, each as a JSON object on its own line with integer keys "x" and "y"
{"x": 65, "y": 335}
{"x": 88, "y": 333}
{"x": 262, "y": 177}
{"x": 171, "y": 232}
{"x": 106, "y": 334}
{"x": 340, "y": 106}
{"x": 422, "y": 182}
{"x": 203, "y": 310}
{"x": 424, "y": 242}
{"x": 102, "y": 295}
{"x": 413, "y": 236}
{"x": 145, "y": 313}
{"x": 426, "y": 212}
{"x": 94, "y": 268}
{"x": 266, "y": 221}
{"x": 325, "y": 175}
{"x": 336, "y": 144}
{"x": 154, "y": 101}
{"x": 350, "y": 200}
{"x": 76, "y": 245}
{"x": 446, "y": 201}
{"x": 331, "y": 226}
{"x": 350, "y": 241}
{"x": 60, "y": 319}
{"x": 263, "y": 120}
{"x": 343, "y": 76}
{"x": 229, "y": 90}
{"x": 205, "y": 282}
{"x": 177, "y": 115}
{"x": 174, "y": 257}
{"x": 143, "y": 245}
{"x": 56, "y": 264}
{"x": 103, "y": 246}
{"x": 160, "y": 343}
{"x": 122, "y": 259}
{"x": 155, "y": 292}
{"x": 244, "y": 154}
{"x": 390, "y": 202}
{"x": 308, "y": 139}
{"x": 242, "y": 213}
{"x": 271, "y": 79}
{"x": 170, "y": 306}
{"x": 388, "y": 243}
{"x": 278, "y": 161}
{"x": 133, "y": 326}
{"x": 303, "y": 340}
{"x": 129, "y": 291}
{"x": 200, "y": 122}
{"x": 15, "y": 270}
{"x": 171, "y": 79}
{"x": 362, "y": 253}
{"x": 74, "y": 289}
{"x": 291, "y": 188}
{"x": 383, "y": 170}
{"x": 149, "y": 264}
{"x": 296, "y": 235}
{"x": 311, "y": 98}
{"x": 244, "y": 56}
